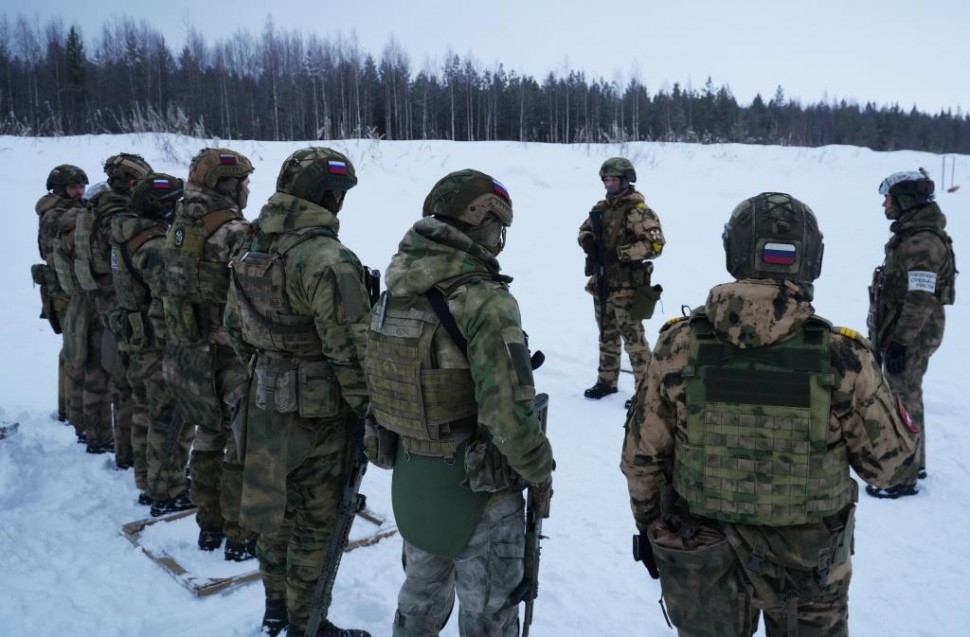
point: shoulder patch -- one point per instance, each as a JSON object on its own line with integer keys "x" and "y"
{"x": 850, "y": 333}
{"x": 672, "y": 322}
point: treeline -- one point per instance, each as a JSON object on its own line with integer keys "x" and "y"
{"x": 286, "y": 86}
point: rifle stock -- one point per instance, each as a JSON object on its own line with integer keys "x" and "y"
{"x": 351, "y": 502}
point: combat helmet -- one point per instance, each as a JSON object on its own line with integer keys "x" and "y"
{"x": 310, "y": 173}
{"x": 619, "y": 167}
{"x": 212, "y": 164}
{"x": 124, "y": 167}
{"x": 773, "y": 236}
{"x": 908, "y": 189}
{"x": 468, "y": 196}
{"x": 65, "y": 175}
{"x": 155, "y": 195}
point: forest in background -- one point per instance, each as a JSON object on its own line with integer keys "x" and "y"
{"x": 289, "y": 86}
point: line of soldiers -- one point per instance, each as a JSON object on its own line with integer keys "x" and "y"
{"x": 272, "y": 345}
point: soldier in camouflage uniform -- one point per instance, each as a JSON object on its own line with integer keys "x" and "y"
{"x": 618, "y": 237}
{"x": 106, "y": 386}
{"x": 452, "y": 393}
{"x": 297, "y": 313}
{"x": 57, "y": 214}
{"x": 739, "y": 442}
{"x": 138, "y": 260}
{"x": 909, "y": 290}
{"x": 200, "y": 365}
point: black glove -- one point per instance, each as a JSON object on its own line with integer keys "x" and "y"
{"x": 643, "y": 552}
{"x": 588, "y": 243}
{"x": 896, "y": 358}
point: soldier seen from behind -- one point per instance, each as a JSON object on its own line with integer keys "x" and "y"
{"x": 449, "y": 372}
{"x": 297, "y": 314}
{"x": 619, "y": 237}
{"x": 740, "y": 439}
{"x": 908, "y": 294}
{"x": 200, "y": 364}
{"x": 57, "y": 215}
{"x": 139, "y": 264}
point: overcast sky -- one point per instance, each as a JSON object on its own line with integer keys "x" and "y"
{"x": 889, "y": 52}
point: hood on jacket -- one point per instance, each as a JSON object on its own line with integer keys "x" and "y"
{"x": 758, "y": 312}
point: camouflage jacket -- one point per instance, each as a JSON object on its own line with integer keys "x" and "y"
{"x": 910, "y": 288}
{"x": 105, "y": 205}
{"x": 488, "y": 316}
{"x": 196, "y": 203}
{"x": 138, "y": 262}
{"x": 753, "y": 313}
{"x": 317, "y": 285}
{"x": 631, "y": 234}
{"x": 57, "y": 217}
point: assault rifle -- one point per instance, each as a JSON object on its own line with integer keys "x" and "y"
{"x": 351, "y": 503}
{"x": 528, "y": 588}
{"x": 599, "y": 264}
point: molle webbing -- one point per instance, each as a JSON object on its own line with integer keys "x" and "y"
{"x": 87, "y": 266}
{"x": 756, "y": 450}
{"x": 433, "y": 409}
{"x": 189, "y": 275}
{"x": 132, "y": 290}
{"x": 267, "y": 320}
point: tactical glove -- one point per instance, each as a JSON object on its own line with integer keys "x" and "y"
{"x": 643, "y": 552}
{"x": 896, "y": 358}
{"x": 588, "y": 244}
{"x": 542, "y": 497}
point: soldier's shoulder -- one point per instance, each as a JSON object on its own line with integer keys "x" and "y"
{"x": 850, "y": 336}
{"x": 674, "y": 322}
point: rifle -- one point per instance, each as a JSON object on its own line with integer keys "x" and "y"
{"x": 599, "y": 263}
{"x": 528, "y": 588}
{"x": 350, "y": 504}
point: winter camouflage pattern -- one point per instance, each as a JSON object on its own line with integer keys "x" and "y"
{"x": 294, "y": 465}
{"x": 431, "y": 253}
{"x": 692, "y": 551}
{"x": 909, "y": 291}
{"x": 482, "y": 576}
{"x": 201, "y": 367}
{"x": 631, "y": 234}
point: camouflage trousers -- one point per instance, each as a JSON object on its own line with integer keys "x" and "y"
{"x": 202, "y": 378}
{"x": 483, "y": 576}
{"x": 709, "y": 590}
{"x": 616, "y": 325}
{"x": 908, "y": 385}
{"x": 96, "y": 391}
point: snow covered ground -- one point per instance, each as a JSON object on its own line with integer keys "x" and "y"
{"x": 66, "y": 569}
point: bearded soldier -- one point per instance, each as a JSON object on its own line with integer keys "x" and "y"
{"x": 739, "y": 443}
{"x": 452, "y": 392}
{"x": 200, "y": 364}
{"x": 138, "y": 262}
{"x": 297, "y": 312}
{"x": 57, "y": 214}
{"x": 908, "y": 295}
{"x": 619, "y": 236}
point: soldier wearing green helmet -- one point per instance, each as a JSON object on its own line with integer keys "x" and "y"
{"x": 452, "y": 394}
{"x": 296, "y": 312}
{"x": 57, "y": 215}
{"x": 740, "y": 439}
{"x": 200, "y": 366}
{"x": 910, "y": 291}
{"x": 620, "y": 236}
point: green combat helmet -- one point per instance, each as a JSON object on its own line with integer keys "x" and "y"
{"x": 908, "y": 189}
{"x": 475, "y": 203}
{"x": 63, "y": 176}
{"x": 212, "y": 164}
{"x": 311, "y": 173}
{"x": 619, "y": 167}
{"x": 155, "y": 195}
{"x": 773, "y": 236}
{"x": 124, "y": 167}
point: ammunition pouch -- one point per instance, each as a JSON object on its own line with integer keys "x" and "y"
{"x": 645, "y": 301}
{"x": 486, "y": 469}
{"x": 380, "y": 444}
{"x": 132, "y": 330}
{"x": 633, "y": 274}
{"x": 309, "y": 388}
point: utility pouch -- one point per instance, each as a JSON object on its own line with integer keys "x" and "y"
{"x": 380, "y": 444}
{"x": 318, "y": 391}
{"x": 486, "y": 469}
{"x": 645, "y": 302}
{"x": 138, "y": 336}
{"x": 276, "y": 389}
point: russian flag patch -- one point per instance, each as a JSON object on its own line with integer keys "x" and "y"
{"x": 337, "y": 167}
{"x": 500, "y": 189}
{"x": 227, "y": 160}
{"x": 778, "y": 253}
{"x": 163, "y": 184}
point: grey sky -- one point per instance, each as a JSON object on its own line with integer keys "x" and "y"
{"x": 888, "y": 52}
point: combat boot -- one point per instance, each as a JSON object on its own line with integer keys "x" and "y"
{"x": 897, "y": 491}
{"x": 210, "y": 539}
{"x": 144, "y": 499}
{"x": 181, "y": 502}
{"x": 99, "y": 448}
{"x": 599, "y": 390}
{"x": 275, "y": 618}
{"x": 327, "y": 629}
{"x": 240, "y": 551}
